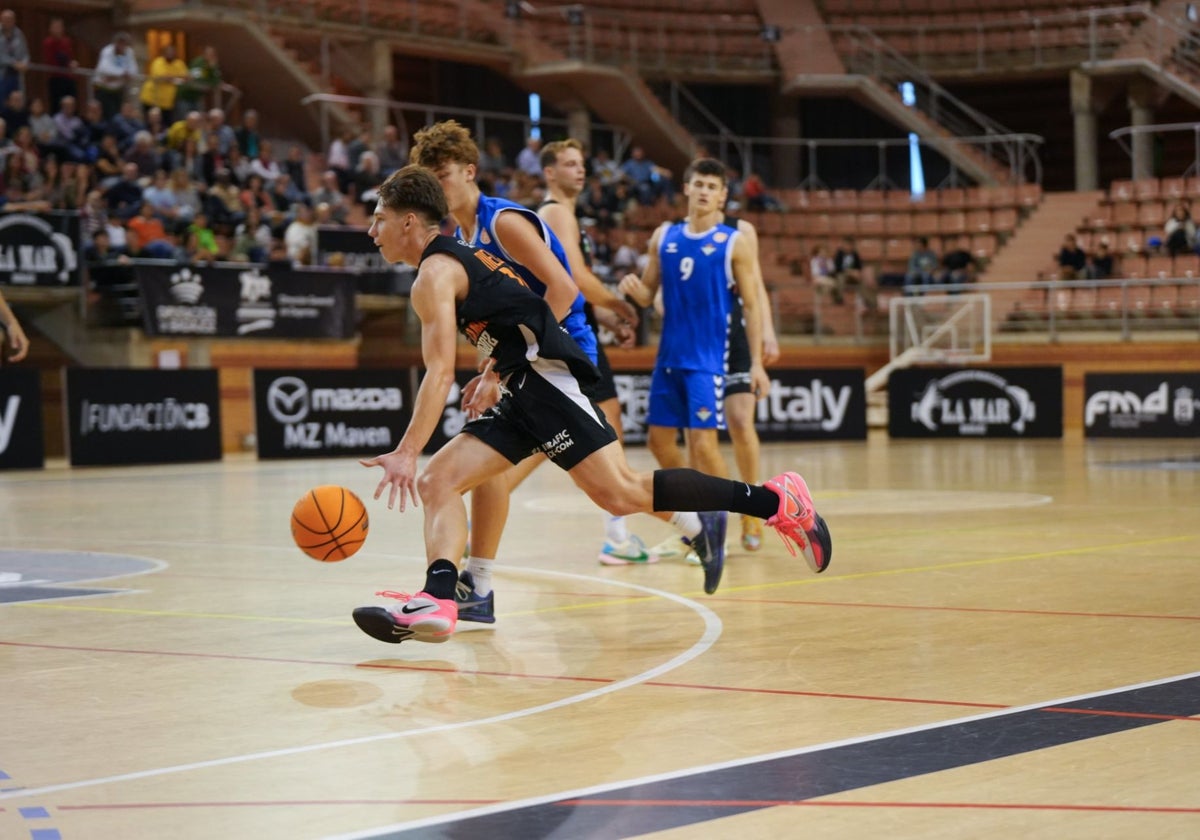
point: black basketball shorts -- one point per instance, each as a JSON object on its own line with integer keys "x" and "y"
{"x": 737, "y": 369}
{"x": 543, "y": 411}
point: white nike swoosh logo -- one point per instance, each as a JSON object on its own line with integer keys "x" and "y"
{"x": 442, "y": 572}
{"x": 409, "y": 609}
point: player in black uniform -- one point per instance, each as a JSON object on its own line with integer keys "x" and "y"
{"x": 540, "y": 408}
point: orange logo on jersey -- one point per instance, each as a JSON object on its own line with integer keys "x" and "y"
{"x": 473, "y": 330}
{"x": 496, "y": 264}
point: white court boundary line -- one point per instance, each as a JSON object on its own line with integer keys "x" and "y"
{"x": 578, "y": 793}
{"x": 712, "y": 631}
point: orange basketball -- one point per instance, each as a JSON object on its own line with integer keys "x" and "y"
{"x": 329, "y": 523}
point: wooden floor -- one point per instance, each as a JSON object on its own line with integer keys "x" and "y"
{"x": 1005, "y": 645}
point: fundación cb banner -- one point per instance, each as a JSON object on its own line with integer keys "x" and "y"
{"x": 123, "y": 416}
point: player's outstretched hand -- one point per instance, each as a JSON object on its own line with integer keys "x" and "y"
{"x": 399, "y": 475}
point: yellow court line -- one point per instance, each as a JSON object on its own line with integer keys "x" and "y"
{"x": 1040, "y": 555}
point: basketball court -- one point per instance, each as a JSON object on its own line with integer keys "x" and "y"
{"x": 1004, "y": 644}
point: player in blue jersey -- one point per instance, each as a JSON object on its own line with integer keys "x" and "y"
{"x": 701, "y": 264}
{"x": 464, "y": 288}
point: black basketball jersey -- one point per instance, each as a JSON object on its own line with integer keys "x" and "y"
{"x": 506, "y": 319}
{"x": 585, "y": 241}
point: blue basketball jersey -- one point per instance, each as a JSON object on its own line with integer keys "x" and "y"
{"x": 485, "y": 237}
{"x": 698, "y": 297}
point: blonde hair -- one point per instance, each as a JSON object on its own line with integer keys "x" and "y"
{"x": 441, "y": 143}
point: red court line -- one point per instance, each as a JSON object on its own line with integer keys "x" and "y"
{"x": 920, "y": 608}
{"x": 567, "y": 678}
{"x": 122, "y": 806}
{"x": 811, "y": 803}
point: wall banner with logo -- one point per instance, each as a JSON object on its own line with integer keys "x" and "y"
{"x": 39, "y": 249}
{"x": 323, "y": 413}
{"x": 21, "y": 444}
{"x": 803, "y": 404}
{"x": 245, "y": 300}
{"x": 123, "y": 416}
{"x": 1141, "y": 404}
{"x": 976, "y": 402}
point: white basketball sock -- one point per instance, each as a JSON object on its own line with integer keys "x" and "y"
{"x": 614, "y": 529}
{"x": 481, "y": 572}
{"x": 688, "y": 523}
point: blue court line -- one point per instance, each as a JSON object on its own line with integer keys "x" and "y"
{"x": 700, "y": 796}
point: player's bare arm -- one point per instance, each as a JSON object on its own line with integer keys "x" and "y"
{"x": 562, "y": 221}
{"x": 770, "y": 341}
{"x": 16, "y": 335}
{"x": 744, "y": 260}
{"x": 440, "y": 282}
{"x": 526, "y": 247}
{"x": 642, "y": 289}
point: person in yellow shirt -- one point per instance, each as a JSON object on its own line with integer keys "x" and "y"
{"x": 166, "y": 72}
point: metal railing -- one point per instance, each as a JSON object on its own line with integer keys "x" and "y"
{"x": 223, "y": 96}
{"x": 1125, "y": 138}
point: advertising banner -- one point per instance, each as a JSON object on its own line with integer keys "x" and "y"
{"x": 123, "y": 416}
{"x": 975, "y": 402}
{"x": 245, "y": 300}
{"x": 1141, "y": 405}
{"x": 21, "y": 443}
{"x": 324, "y": 413}
{"x": 39, "y": 249}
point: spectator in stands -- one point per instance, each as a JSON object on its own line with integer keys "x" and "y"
{"x": 191, "y": 127}
{"x": 22, "y": 143}
{"x": 144, "y": 155}
{"x": 221, "y": 132}
{"x": 251, "y": 239}
{"x": 14, "y": 111}
{"x": 247, "y": 134}
{"x": 1072, "y": 261}
{"x": 300, "y": 238}
{"x": 329, "y": 193}
{"x": 224, "y": 202}
{"x": 625, "y": 258}
{"x": 820, "y": 270}
{"x": 284, "y": 194}
{"x": 605, "y": 168}
{"x": 255, "y": 195}
{"x": 167, "y": 71}
{"x": 108, "y": 162}
{"x": 148, "y": 235}
{"x": 922, "y": 263}
{"x": 649, "y": 181}
{"x": 337, "y": 158}
{"x": 200, "y": 241}
{"x": 598, "y": 204}
{"x": 42, "y": 125}
{"x": 293, "y": 166}
{"x": 238, "y": 165}
{"x": 124, "y": 198}
{"x": 14, "y": 54}
{"x": 1100, "y": 264}
{"x": 18, "y": 342}
{"x": 367, "y": 178}
{"x": 61, "y": 187}
{"x": 959, "y": 265}
{"x": 161, "y": 198}
{"x": 125, "y": 124}
{"x": 393, "y": 153}
{"x": 157, "y": 125}
{"x": 95, "y": 127}
{"x": 492, "y": 161}
{"x": 116, "y": 70}
{"x": 265, "y": 166}
{"x": 187, "y": 197}
{"x": 58, "y": 51}
{"x": 529, "y": 159}
{"x": 848, "y": 271}
{"x": 755, "y": 194}
{"x": 71, "y": 135}
{"x": 203, "y": 77}
{"x": 23, "y": 183}
{"x": 102, "y": 252}
{"x": 1179, "y": 231}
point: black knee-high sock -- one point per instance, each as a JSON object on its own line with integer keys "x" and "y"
{"x": 683, "y": 489}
